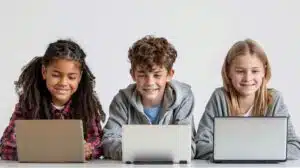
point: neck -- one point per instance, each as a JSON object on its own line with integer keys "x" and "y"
{"x": 245, "y": 102}
{"x": 58, "y": 107}
{"x": 58, "y": 103}
{"x": 151, "y": 103}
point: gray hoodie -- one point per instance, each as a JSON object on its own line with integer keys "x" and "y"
{"x": 217, "y": 106}
{"x": 126, "y": 108}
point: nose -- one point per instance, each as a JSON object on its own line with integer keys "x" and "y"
{"x": 63, "y": 81}
{"x": 149, "y": 80}
{"x": 248, "y": 76}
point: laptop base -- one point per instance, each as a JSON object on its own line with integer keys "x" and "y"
{"x": 248, "y": 161}
{"x": 53, "y": 162}
{"x": 155, "y": 162}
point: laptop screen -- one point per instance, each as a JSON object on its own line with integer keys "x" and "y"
{"x": 250, "y": 138}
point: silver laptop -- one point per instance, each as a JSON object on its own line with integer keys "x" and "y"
{"x": 156, "y": 144}
{"x": 250, "y": 139}
{"x": 50, "y": 141}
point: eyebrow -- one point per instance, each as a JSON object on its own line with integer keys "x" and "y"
{"x": 248, "y": 68}
{"x": 142, "y": 71}
{"x": 72, "y": 73}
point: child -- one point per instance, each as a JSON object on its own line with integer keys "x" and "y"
{"x": 58, "y": 85}
{"x": 154, "y": 98}
{"x": 245, "y": 73}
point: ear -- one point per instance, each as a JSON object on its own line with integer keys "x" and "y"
{"x": 170, "y": 74}
{"x": 44, "y": 72}
{"x": 132, "y": 74}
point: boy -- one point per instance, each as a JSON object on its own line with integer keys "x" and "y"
{"x": 154, "y": 98}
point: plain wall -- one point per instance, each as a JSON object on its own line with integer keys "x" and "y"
{"x": 201, "y": 30}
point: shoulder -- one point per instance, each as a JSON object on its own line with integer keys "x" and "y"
{"x": 218, "y": 94}
{"x": 275, "y": 94}
{"x": 219, "y": 91}
{"x": 179, "y": 84}
{"x": 275, "y": 97}
{"x": 18, "y": 112}
{"x": 180, "y": 88}
{"x": 125, "y": 94}
{"x": 276, "y": 105}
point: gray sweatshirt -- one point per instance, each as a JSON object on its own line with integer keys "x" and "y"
{"x": 217, "y": 106}
{"x": 126, "y": 108}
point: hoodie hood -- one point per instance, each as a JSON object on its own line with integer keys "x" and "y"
{"x": 175, "y": 92}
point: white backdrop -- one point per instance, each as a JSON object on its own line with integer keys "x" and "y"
{"x": 201, "y": 30}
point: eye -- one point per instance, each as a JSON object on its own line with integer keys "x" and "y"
{"x": 239, "y": 71}
{"x": 55, "y": 75}
{"x": 72, "y": 77}
{"x": 255, "y": 71}
{"x": 157, "y": 75}
{"x": 141, "y": 75}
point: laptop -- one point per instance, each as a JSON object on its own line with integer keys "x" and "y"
{"x": 250, "y": 139}
{"x": 50, "y": 141}
{"x": 163, "y": 144}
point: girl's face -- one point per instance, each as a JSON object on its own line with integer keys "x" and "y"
{"x": 246, "y": 73}
{"x": 62, "y": 79}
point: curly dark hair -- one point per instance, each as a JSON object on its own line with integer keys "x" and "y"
{"x": 34, "y": 97}
{"x": 150, "y": 51}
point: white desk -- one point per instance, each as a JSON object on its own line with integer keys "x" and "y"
{"x": 118, "y": 164}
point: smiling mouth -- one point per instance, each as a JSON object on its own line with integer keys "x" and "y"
{"x": 61, "y": 91}
{"x": 150, "y": 90}
{"x": 247, "y": 85}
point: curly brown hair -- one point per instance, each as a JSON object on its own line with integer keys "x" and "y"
{"x": 150, "y": 51}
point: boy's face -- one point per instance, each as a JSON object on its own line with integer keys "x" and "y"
{"x": 151, "y": 85}
{"x": 62, "y": 79}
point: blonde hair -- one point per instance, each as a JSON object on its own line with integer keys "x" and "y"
{"x": 262, "y": 97}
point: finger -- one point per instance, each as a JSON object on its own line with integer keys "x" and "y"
{"x": 87, "y": 149}
{"x": 89, "y": 146}
{"x": 90, "y": 152}
{"x": 87, "y": 155}
{"x": 86, "y": 146}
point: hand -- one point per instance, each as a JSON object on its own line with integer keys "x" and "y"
{"x": 88, "y": 150}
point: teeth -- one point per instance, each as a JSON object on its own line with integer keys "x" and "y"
{"x": 150, "y": 90}
{"x": 61, "y": 91}
{"x": 247, "y": 85}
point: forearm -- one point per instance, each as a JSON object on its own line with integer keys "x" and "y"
{"x": 112, "y": 148}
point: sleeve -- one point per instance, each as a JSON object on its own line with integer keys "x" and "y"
{"x": 112, "y": 144}
{"x": 204, "y": 136}
{"x": 184, "y": 116}
{"x": 8, "y": 147}
{"x": 94, "y": 134}
{"x": 293, "y": 141}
